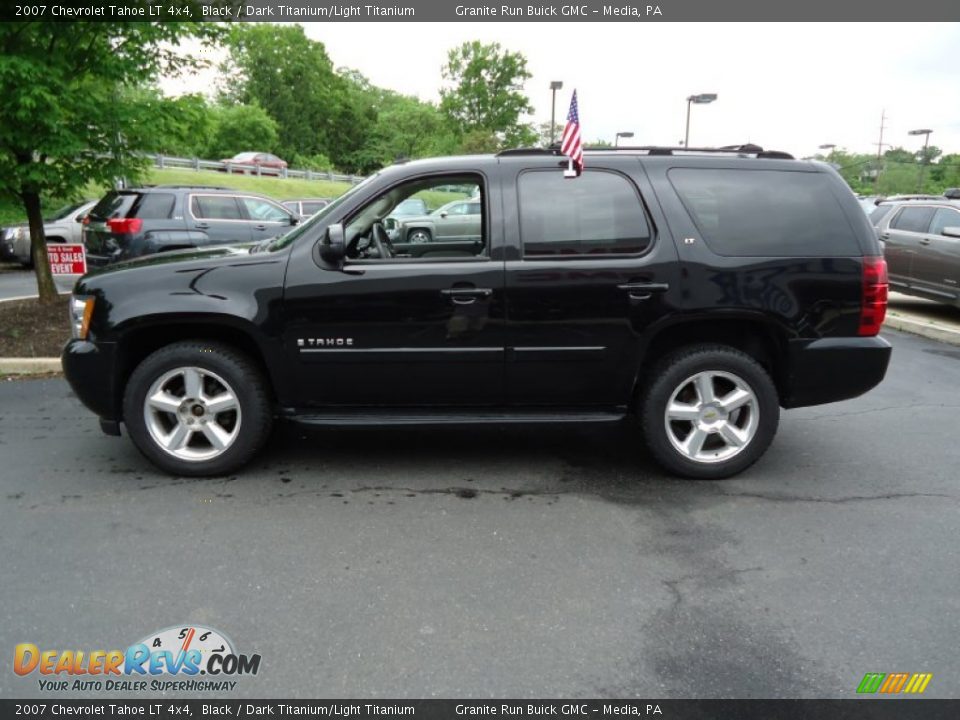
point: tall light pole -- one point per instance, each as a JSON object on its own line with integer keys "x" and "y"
{"x": 616, "y": 140}
{"x": 923, "y": 160}
{"x": 554, "y": 86}
{"x": 701, "y": 99}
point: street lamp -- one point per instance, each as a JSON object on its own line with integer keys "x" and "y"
{"x": 827, "y": 146}
{"x": 923, "y": 160}
{"x": 616, "y": 140}
{"x": 554, "y": 86}
{"x": 701, "y": 99}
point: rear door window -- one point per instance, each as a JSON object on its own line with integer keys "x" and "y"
{"x": 215, "y": 207}
{"x": 772, "y": 213}
{"x": 599, "y": 213}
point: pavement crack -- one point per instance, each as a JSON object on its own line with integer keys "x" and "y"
{"x": 672, "y": 585}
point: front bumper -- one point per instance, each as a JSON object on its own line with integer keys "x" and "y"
{"x": 90, "y": 368}
{"x": 833, "y": 369}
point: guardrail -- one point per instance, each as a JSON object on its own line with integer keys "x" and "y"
{"x": 169, "y": 161}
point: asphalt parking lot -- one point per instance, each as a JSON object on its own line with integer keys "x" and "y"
{"x": 505, "y": 563}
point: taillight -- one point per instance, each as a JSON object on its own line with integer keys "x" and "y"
{"x": 873, "y": 302}
{"x": 121, "y": 226}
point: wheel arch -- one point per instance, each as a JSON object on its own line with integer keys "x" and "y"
{"x": 756, "y": 335}
{"x": 139, "y": 341}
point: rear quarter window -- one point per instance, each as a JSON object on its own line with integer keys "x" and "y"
{"x": 765, "y": 213}
{"x": 113, "y": 205}
{"x": 154, "y": 206}
{"x": 879, "y": 214}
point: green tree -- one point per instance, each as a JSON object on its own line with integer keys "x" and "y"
{"x": 486, "y": 94}
{"x": 240, "y": 128}
{"x": 68, "y": 116}
{"x": 317, "y": 111}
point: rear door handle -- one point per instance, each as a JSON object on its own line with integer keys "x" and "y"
{"x": 642, "y": 290}
{"x": 202, "y": 226}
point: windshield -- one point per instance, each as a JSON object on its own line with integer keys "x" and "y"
{"x": 282, "y": 241}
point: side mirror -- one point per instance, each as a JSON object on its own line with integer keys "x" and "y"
{"x": 294, "y": 220}
{"x": 443, "y": 214}
{"x": 952, "y": 231}
{"x": 333, "y": 247}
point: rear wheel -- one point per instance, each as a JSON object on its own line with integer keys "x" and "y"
{"x": 196, "y": 408}
{"x": 710, "y": 411}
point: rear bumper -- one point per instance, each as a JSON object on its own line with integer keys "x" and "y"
{"x": 90, "y": 368}
{"x": 832, "y": 369}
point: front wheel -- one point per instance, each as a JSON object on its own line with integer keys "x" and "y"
{"x": 195, "y": 408}
{"x": 418, "y": 236}
{"x": 709, "y": 412}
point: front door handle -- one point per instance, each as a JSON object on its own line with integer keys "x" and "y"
{"x": 466, "y": 296}
{"x": 642, "y": 290}
{"x": 202, "y": 226}
{"x": 259, "y": 227}
{"x": 925, "y": 241}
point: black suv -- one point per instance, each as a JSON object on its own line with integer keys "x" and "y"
{"x": 129, "y": 223}
{"x": 698, "y": 290}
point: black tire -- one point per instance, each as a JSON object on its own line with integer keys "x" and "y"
{"x": 242, "y": 378}
{"x": 671, "y": 375}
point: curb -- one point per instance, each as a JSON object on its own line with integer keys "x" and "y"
{"x": 924, "y": 328}
{"x": 29, "y": 366}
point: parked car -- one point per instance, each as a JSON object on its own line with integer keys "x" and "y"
{"x": 63, "y": 226}
{"x": 699, "y": 291}
{"x": 306, "y": 206}
{"x": 257, "y": 163}
{"x": 140, "y": 221}
{"x": 922, "y": 247}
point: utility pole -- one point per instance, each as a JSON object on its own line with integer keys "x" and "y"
{"x": 883, "y": 118}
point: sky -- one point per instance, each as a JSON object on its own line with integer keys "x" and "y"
{"x": 784, "y": 86}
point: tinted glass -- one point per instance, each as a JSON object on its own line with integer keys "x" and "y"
{"x": 113, "y": 205}
{"x": 216, "y": 207}
{"x": 598, "y": 213}
{"x": 155, "y": 205}
{"x": 309, "y": 208}
{"x": 264, "y": 211}
{"x": 944, "y": 217}
{"x": 913, "y": 219}
{"x": 765, "y": 212}
{"x": 879, "y": 214}
{"x": 63, "y": 212}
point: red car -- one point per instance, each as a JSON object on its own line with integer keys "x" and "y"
{"x": 266, "y": 163}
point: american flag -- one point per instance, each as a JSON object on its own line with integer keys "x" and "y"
{"x": 571, "y": 144}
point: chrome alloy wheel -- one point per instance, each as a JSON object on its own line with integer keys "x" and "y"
{"x": 418, "y": 237}
{"x": 711, "y": 416}
{"x": 192, "y": 413}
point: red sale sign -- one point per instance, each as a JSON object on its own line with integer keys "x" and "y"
{"x": 67, "y": 259}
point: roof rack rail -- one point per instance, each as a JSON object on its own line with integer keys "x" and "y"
{"x": 552, "y": 150}
{"x": 745, "y": 149}
{"x": 189, "y": 187}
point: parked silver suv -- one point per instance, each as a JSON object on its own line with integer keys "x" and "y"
{"x": 63, "y": 226}
{"x": 922, "y": 247}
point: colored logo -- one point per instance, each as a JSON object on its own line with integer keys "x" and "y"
{"x": 893, "y": 683}
{"x": 185, "y": 651}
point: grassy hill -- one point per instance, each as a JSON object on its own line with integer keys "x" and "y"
{"x": 277, "y": 188}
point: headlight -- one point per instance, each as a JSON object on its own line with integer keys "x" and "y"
{"x": 81, "y": 310}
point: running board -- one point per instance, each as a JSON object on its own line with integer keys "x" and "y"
{"x": 340, "y": 418}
